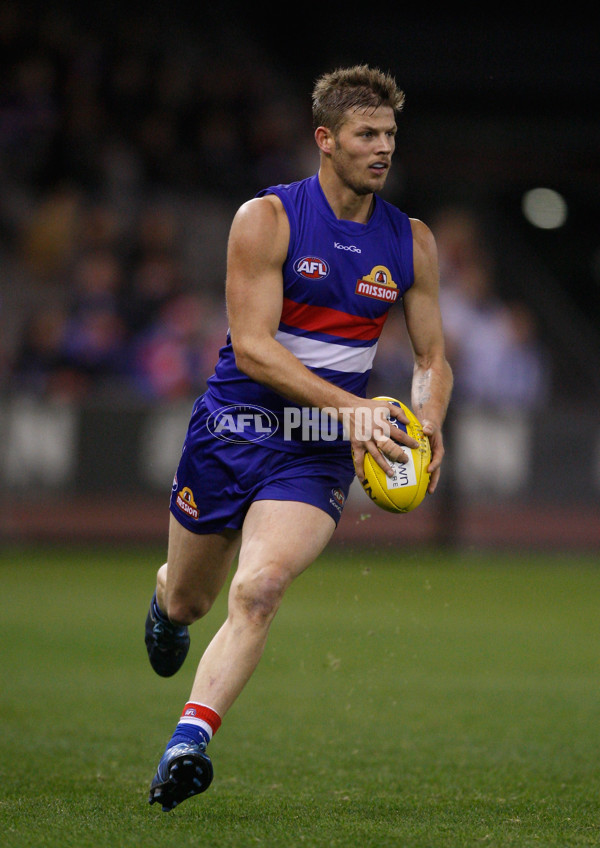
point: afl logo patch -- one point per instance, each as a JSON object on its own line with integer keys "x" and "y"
{"x": 311, "y": 268}
{"x": 242, "y": 423}
{"x": 337, "y": 499}
{"x": 339, "y": 496}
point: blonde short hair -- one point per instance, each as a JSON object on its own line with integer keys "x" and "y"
{"x": 359, "y": 87}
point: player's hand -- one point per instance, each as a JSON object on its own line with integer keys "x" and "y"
{"x": 434, "y": 433}
{"x": 372, "y": 431}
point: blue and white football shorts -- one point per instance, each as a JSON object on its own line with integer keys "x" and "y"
{"x": 218, "y": 480}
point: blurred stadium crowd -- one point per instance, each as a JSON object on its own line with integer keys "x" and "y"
{"x": 123, "y": 156}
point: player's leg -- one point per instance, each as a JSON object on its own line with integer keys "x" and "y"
{"x": 280, "y": 540}
{"x": 200, "y": 548}
{"x": 195, "y": 571}
{"x": 186, "y": 588}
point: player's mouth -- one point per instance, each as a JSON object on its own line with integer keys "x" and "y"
{"x": 379, "y": 167}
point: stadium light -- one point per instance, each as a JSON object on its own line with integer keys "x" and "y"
{"x": 544, "y": 208}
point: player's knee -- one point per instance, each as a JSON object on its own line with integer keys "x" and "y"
{"x": 258, "y": 596}
{"x": 184, "y": 610}
{"x": 161, "y": 580}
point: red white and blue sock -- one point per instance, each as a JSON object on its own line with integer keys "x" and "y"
{"x": 198, "y": 723}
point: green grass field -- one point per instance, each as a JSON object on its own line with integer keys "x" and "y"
{"x": 419, "y": 700}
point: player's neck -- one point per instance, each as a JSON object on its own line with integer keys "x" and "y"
{"x": 345, "y": 203}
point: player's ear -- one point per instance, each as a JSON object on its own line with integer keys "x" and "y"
{"x": 325, "y": 140}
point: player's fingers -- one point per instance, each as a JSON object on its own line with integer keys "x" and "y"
{"x": 402, "y": 438}
{"x": 437, "y": 455}
{"x": 381, "y": 461}
{"x": 388, "y": 451}
{"x": 398, "y": 434}
{"x": 397, "y": 412}
{"x": 391, "y": 450}
{"x": 435, "y": 463}
{"x": 358, "y": 455}
{"x": 433, "y": 481}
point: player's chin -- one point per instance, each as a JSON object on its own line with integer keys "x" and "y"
{"x": 378, "y": 176}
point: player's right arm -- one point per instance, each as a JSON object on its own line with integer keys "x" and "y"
{"x": 432, "y": 375}
{"x": 257, "y": 249}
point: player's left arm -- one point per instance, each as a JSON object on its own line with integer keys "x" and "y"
{"x": 432, "y": 375}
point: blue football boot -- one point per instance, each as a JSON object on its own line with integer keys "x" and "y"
{"x": 167, "y": 644}
{"x": 183, "y": 771}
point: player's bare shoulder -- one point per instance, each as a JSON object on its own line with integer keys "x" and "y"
{"x": 261, "y": 224}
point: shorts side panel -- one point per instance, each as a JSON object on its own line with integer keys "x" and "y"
{"x": 321, "y": 481}
{"x": 213, "y": 485}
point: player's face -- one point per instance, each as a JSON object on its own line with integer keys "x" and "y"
{"x": 362, "y": 154}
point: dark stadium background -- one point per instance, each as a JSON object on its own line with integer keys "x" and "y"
{"x": 497, "y": 104}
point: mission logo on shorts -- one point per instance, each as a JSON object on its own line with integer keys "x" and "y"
{"x": 186, "y": 503}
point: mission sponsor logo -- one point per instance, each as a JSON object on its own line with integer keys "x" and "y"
{"x": 186, "y": 503}
{"x": 312, "y": 268}
{"x": 378, "y": 285}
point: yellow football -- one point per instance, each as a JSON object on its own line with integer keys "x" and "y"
{"x": 406, "y": 489}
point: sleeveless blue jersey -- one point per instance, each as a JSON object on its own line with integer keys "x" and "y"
{"x": 340, "y": 278}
